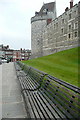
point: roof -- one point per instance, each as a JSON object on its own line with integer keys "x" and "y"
{"x": 48, "y": 6}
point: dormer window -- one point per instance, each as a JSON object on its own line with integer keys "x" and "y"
{"x": 36, "y": 13}
{"x": 44, "y": 11}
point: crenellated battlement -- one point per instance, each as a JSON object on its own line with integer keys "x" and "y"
{"x": 37, "y": 18}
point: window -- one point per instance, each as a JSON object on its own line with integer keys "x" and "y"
{"x": 75, "y": 12}
{"x": 56, "y": 25}
{"x": 62, "y": 30}
{"x": 38, "y": 42}
{"x": 69, "y": 36}
{"x": 62, "y": 21}
{"x": 75, "y": 25}
{"x": 69, "y": 16}
{"x": 75, "y": 34}
{"x": 69, "y": 27}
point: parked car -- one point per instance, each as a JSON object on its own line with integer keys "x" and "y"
{"x": 4, "y": 61}
{"x": 8, "y": 60}
{"x": 0, "y": 61}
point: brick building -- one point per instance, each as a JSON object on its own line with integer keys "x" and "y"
{"x": 21, "y": 54}
{"x": 14, "y": 55}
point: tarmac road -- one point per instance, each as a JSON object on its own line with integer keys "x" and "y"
{"x": 12, "y": 100}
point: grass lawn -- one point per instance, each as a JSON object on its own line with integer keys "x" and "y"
{"x": 63, "y": 65}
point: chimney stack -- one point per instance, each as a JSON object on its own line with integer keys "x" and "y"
{"x": 71, "y": 4}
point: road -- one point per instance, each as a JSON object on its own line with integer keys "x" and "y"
{"x": 12, "y": 101}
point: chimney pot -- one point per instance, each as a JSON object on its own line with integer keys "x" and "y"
{"x": 71, "y": 4}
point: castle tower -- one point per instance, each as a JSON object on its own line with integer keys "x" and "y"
{"x": 42, "y": 18}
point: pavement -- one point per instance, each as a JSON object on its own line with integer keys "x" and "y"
{"x": 11, "y": 103}
{"x": 0, "y": 92}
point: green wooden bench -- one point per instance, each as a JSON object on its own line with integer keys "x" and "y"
{"x": 46, "y": 96}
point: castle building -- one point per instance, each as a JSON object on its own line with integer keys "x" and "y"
{"x": 50, "y": 34}
{"x": 42, "y": 18}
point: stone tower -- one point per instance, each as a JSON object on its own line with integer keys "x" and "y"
{"x": 42, "y": 18}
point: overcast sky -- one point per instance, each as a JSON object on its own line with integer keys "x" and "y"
{"x": 15, "y": 24}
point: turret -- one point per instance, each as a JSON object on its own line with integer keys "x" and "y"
{"x": 42, "y": 18}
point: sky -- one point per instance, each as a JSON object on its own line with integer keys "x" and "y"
{"x": 15, "y": 20}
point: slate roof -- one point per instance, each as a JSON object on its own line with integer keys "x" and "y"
{"x": 48, "y": 6}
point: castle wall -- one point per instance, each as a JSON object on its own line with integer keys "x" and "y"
{"x": 79, "y": 23}
{"x": 36, "y": 38}
{"x": 62, "y": 33}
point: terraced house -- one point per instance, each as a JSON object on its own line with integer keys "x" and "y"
{"x": 14, "y": 55}
{"x": 50, "y": 34}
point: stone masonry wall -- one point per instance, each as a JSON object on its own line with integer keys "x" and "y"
{"x": 62, "y": 33}
{"x": 36, "y": 38}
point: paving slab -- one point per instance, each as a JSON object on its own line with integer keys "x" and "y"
{"x": 12, "y": 101}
